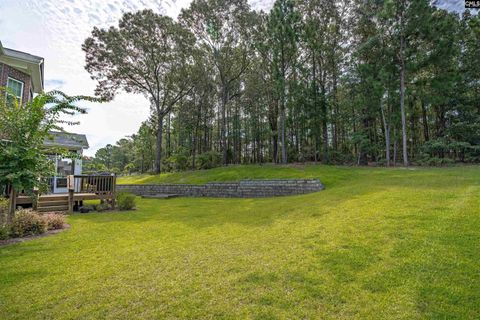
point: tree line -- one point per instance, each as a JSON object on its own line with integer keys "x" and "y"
{"x": 361, "y": 81}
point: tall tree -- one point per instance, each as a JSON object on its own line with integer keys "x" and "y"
{"x": 283, "y": 28}
{"x": 149, "y": 54}
{"x": 144, "y": 148}
{"x": 401, "y": 9}
{"x": 221, "y": 28}
{"x": 341, "y": 81}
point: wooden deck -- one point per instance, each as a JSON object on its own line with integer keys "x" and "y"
{"x": 80, "y": 188}
{"x": 56, "y": 196}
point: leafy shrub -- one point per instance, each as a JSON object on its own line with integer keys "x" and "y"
{"x": 381, "y": 162}
{"x": 27, "y": 223}
{"x": 435, "y": 147}
{"x": 3, "y": 204}
{"x": 129, "y": 168}
{"x": 54, "y": 220}
{"x": 181, "y": 159}
{"x": 307, "y": 153}
{"x": 125, "y": 201}
{"x": 292, "y": 154}
{"x": 102, "y": 207}
{"x": 337, "y": 157}
{"x": 441, "y": 148}
{"x": 472, "y": 158}
{"x": 209, "y": 160}
{"x": 168, "y": 165}
{"x": 4, "y": 232}
{"x": 435, "y": 161}
{"x": 3, "y": 209}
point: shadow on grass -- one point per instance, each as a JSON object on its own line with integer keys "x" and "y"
{"x": 261, "y": 212}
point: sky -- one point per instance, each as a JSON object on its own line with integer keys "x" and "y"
{"x": 56, "y": 29}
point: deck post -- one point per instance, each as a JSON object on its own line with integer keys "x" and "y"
{"x": 113, "y": 190}
{"x": 12, "y": 205}
{"x": 35, "y": 199}
{"x": 71, "y": 191}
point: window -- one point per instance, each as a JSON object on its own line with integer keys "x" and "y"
{"x": 64, "y": 167}
{"x": 16, "y": 90}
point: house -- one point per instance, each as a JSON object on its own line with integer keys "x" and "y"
{"x": 73, "y": 143}
{"x": 23, "y": 74}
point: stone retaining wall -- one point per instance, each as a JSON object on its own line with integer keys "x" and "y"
{"x": 242, "y": 189}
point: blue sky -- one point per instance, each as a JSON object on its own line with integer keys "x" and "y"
{"x": 56, "y": 29}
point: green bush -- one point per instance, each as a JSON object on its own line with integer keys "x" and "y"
{"x": 4, "y": 232}
{"x": 209, "y": 160}
{"x": 340, "y": 158}
{"x": 102, "y": 207}
{"x": 3, "y": 209}
{"x": 181, "y": 160}
{"x": 54, "y": 221}
{"x": 437, "y": 162}
{"x": 125, "y": 201}
{"x": 168, "y": 165}
{"x": 27, "y": 223}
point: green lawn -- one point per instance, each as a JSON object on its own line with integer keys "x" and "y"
{"x": 376, "y": 244}
{"x": 234, "y": 173}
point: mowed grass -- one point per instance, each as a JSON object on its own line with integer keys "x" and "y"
{"x": 376, "y": 244}
{"x": 328, "y": 174}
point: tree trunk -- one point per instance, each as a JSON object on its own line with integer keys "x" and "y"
{"x": 334, "y": 119}
{"x": 12, "y": 205}
{"x": 282, "y": 132}
{"x": 194, "y": 150}
{"x": 283, "y": 107}
{"x": 363, "y": 155}
{"x": 325, "y": 157}
{"x": 387, "y": 135}
{"x": 223, "y": 130}
{"x": 275, "y": 148}
{"x": 426, "y": 134}
{"x": 413, "y": 130}
{"x": 395, "y": 148}
{"x": 158, "y": 156}
{"x": 169, "y": 143}
{"x": 402, "y": 96}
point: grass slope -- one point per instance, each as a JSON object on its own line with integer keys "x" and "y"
{"x": 329, "y": 174}
{"x": 376, "y": 244}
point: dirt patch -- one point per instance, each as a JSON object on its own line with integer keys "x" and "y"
{"x": 46, "y": 234}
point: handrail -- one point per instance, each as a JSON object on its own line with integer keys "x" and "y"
{"x": 98, "y": 184}
{"x": 103, "y": 186}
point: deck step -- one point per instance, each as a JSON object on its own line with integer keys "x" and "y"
{"x": 61, "y": 197}
{"x": 53, "y": 208}
{"x": 53, "y": 202}
{"x": 49, "y": 203}
{"x": 160, "y": 196}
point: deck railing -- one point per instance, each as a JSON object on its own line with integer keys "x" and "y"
{"x": 98, "y": 184}
{"x": 102, "y": 186}
{"x": 80, "y": 187}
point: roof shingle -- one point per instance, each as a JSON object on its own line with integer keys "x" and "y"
{"x": 67, "y": 140}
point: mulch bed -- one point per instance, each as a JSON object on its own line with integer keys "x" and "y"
{"x": 46, "y": 234}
